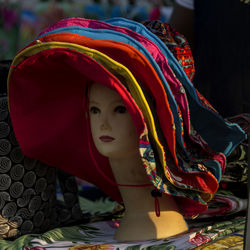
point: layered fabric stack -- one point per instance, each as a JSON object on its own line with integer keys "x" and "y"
{"x": 183, "y": 141}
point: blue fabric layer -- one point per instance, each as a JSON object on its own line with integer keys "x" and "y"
{"x": 221, "y": 136}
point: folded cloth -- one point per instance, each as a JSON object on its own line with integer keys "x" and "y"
{"x": 224, "y": 205}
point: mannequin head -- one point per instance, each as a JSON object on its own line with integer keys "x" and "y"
{"x": 115, "y": 137}
{"x": 112, "y": 127}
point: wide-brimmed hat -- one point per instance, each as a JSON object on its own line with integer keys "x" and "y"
{"x": 52, "y": 125}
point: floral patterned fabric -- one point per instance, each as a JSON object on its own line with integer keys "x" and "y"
{"x": 99, "y": 232}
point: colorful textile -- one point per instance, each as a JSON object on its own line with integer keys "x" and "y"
{"x": 133, "y": 65}
{"x": 139, "y": 67}
{"x": 37, "y": 72}
{"x": 112, "y": 33}
{"x": 224, "y": 205}
{"x": 180, "y": 48}
{"x": 216, "y": 162}
{"x": 209, "y": 185}
{"x": 101, "y": 221}
{"x": 101, "y": 215}
{"x": 210, "y": 118}
{"x": 152, "y": 53}
{"x": 212, "y": 165}
{"x": 99, "y": 235}
{"x": 234, "y": 241}
{"x": 176, "y": 43}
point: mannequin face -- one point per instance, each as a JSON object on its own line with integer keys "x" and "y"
{"x": 112, "y": 127}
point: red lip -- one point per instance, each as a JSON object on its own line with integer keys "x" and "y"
{"x": 106, "y": 138}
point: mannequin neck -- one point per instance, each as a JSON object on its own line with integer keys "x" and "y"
{"x": 140, "y": 221}
{"x": 137, "y": 199}
{"x": 129, "y": 170}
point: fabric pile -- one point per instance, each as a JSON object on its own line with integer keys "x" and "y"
{"x": 231, "y": 196}
{"x": 183, "y": 141}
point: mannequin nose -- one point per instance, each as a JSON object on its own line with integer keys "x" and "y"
{"x": 105, "y": 125}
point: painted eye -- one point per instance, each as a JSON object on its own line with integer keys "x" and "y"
{"x": 120, "y": 109}
{"x": 94, "y": 110}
